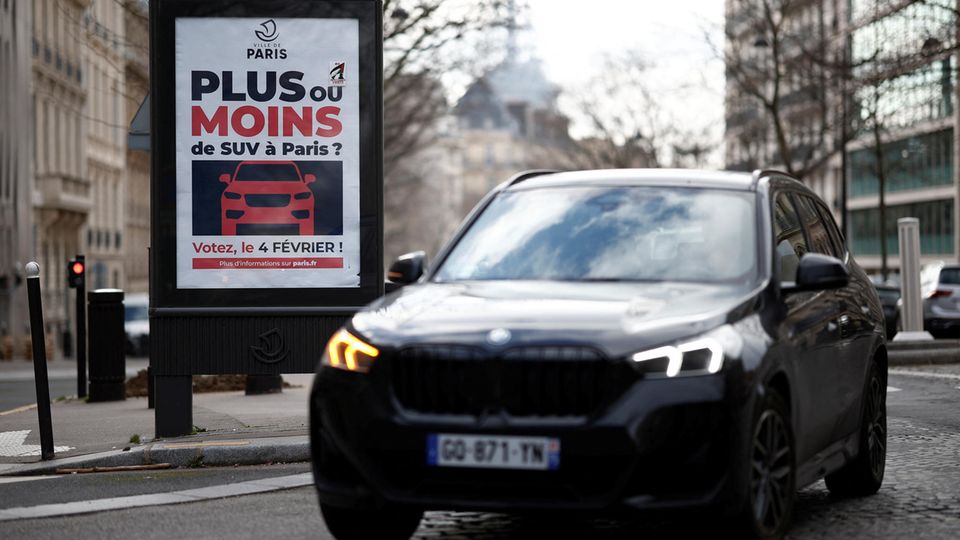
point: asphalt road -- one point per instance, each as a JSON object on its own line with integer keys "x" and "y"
{"x": 920, "y": 498}
{"x": 17, "y": 387}
{"x": 15, "y": 394}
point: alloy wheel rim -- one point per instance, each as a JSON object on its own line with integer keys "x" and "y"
{"x": 772, "y": 471}
{"x": 876, "y": 428}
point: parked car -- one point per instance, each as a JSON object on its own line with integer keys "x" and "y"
{"x": 889, "y": 294}
{"x": 940, "y": 287}
{"x": 267, "y": 197}
{"x": 604, "y": 341}
{"x": 136, "y": 323}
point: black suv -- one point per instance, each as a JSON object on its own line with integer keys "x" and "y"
{"x": 608, "y": 340}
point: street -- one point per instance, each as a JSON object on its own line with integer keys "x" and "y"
{"x": 920, "y": 497}
{"x": 17, "y": 388}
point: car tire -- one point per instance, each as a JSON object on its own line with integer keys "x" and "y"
{"x": 864, "y": 475}
{"x": 389, "y": 522}
{"x": 767, "y": 508}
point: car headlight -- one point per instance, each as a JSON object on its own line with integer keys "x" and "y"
{"x": 348, "y": 352}
{"x": 698, "y": 356}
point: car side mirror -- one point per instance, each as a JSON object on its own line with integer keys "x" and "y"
{"x": 818, "y": 272}
{"x": 405, "y": 270}
{"x": 309, "y": 178}
{"x": 225, "y": 178}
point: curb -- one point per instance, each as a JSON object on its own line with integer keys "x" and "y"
{"x": 911, "y": 353}
{"x": 212, "y": 453}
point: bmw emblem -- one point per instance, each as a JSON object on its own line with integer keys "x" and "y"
{"x": 499, "y": 336}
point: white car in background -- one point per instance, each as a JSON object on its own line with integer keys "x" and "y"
{"x": 136, "y": 323}
{"x": 940, "y": 287}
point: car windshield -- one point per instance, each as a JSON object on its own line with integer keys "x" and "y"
{"x": 135, "y": 312}
{"x": 267, "y": 173}
{"x": 610, "y": 234}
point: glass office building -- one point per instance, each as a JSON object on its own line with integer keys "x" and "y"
{"x": 912, "y": 101}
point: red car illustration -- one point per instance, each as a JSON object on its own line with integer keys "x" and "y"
{"x": 267, "y": 198}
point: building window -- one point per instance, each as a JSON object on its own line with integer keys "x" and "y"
{"x": 919, "y": 162}
{"x": 936, "y": 228}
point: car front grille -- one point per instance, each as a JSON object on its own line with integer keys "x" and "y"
{"x": 268, "y": 201}
{"x": 528, "y": 381}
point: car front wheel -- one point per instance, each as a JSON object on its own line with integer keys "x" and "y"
{"x": 769, "y": 504}
{"x": 388, "y": 522}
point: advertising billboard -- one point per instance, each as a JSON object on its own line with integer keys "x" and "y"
{"x": 268, "y": 164}
{"x": 266, "y": 180}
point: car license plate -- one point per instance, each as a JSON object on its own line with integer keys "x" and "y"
{"x": 493, "y": 451}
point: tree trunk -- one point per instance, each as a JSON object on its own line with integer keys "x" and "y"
{"x": 882, "y": 181}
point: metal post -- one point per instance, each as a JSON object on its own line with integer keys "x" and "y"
{"x": 39, "y": 360}
{"x": 67, "y": 338}
{"x": 82, "y": 333}
{"x": 173, "y": 415}
{"x": 911, "y": 314}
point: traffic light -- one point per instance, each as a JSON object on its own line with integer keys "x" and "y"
{"x": 75, "y": 273}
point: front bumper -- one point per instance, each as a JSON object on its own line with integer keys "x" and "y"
{"x": 662, "y": 444}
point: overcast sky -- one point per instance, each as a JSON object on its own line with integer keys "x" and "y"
{"x": 570, "y": 37}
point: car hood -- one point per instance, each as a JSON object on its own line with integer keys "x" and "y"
{"x": 618, "y": 317}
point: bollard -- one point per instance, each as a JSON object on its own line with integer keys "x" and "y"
{"x": 911, "y": 312}
{"x": 39, "y": 360}
{"x": 263, "y": 384}
{"x": 107, "y": 345}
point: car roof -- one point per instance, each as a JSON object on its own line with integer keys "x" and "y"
{"x": 640, "y": 177}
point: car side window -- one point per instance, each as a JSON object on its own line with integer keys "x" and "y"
{"x": 788, "y": 238}
{"x": 839, "y": 248}
{"x": 817, "y": 234}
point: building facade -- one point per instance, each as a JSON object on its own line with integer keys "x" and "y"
{"x": 802, "y": 97}
{"x": 106, "y": 134}
{"x": 509, "y": 122}
{"x": 64, "y": 163}
{"x": 889, "y": 90}
{"x": 909, "y": 107}
{"x": 16, "y": 178}
{"x": 62, "y": 190}
{"x": 135, "y": 240}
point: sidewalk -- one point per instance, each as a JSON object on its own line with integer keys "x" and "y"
{"x": 232, "y": 428}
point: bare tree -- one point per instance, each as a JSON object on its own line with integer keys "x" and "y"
{"x": 779, "y": 66}
{"x": 424, "y": 40}
{"x": 880, "y": 78}
{"x": 627, "y": 125}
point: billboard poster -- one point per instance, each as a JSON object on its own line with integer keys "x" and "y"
{"x": 267, "y": 153}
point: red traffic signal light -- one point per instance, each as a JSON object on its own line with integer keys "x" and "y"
{"x": 75, "y": 273}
